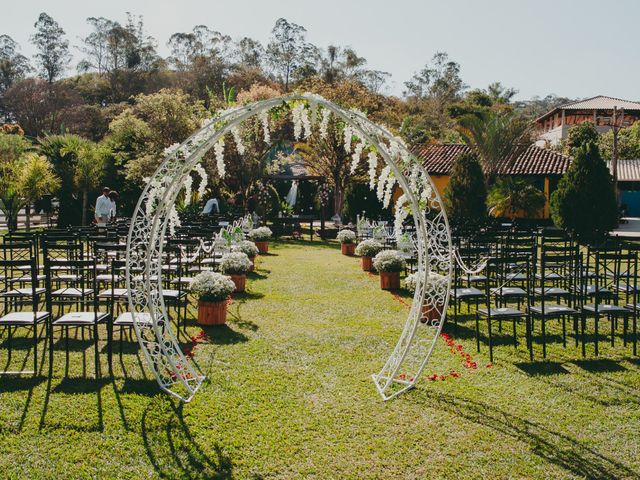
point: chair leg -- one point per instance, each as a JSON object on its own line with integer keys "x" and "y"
{"x": 35, "y": 349}
{"x": 490, "y": 340}
{"x": 515, "y": 338}
{"x": 596, "y": 330}
{"x": 544, "y": 337}
{"x": 478, "y": 332}
{"x": 613, "y": 321}
{"x": 95, "y": 350}
{"x": 529, "y": 339}
{"x": 583, "y": 321}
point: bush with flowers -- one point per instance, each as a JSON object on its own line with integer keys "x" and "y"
{"x": 369, "y": 248}
{"x": 260, "y": 234}
{"x": 433, "y": 281}
{"x": 247, "y": 247}
{"x": 389, "y": 261}
{"x": 235, "y": 263}
{"x": 212, "y": 287}
{"x": 346, "y": 236}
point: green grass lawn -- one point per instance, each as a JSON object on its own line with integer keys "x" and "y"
{"x": 289, "y": 395}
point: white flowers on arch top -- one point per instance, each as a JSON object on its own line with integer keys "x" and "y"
{"x": 155, "y": 214}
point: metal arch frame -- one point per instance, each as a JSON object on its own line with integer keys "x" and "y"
{"x": 145, "y": 242}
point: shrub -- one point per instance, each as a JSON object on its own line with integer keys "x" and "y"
{"x": 260, "y": 234}
{"x": 212, "y": 287}
{"x": 235, "y": 263}
{"x": 433, "y": 281}
{"x": 369, "y": 248}
{"x": 584, "y": 202}
{"x": 389, "y": 261}
{"x": 465, "y": 196}
{"x": 247, "y": 247}
{"x": 512, "y": 195}
{"x": 346, "y": 236}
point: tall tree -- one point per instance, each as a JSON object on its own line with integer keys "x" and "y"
{"x": 465, "y": 196}
{"x": 53, "y": 49}
{"x": 249, "y": 53}
{"x": 498, "y": 138}
{"x": 439, "y": 80}
{"x": 13, "y": 65}
{"x": 36, "y": 179}
{"x": 95, "y": 46}
{"x": 288, "y": 52}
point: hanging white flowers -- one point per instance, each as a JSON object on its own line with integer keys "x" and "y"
{"x": 204, "y": 179}
{"x": 235, "y": 131}
{"x": 306, "y": 123}
{"x": 188, "y": 184}
{"x": 384, "y": 174}
{"x": 171, "y": 149}
{"x": 401, "y": 213}
{"x": 324, "y": 123}
{"x": 218, "y": 149}
{"x": 264, "y": 119}
{"x": 174, "y": 220}
{"x": 388, "y": 193}
{"x": 373, "y": 167}
{"x": 348, "y": 136}
{"x": 355, "y": 158}
{"x": 296, "y": 116}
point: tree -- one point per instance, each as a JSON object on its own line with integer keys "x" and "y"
{"x": 498, "y": 138}
{"x": 628, "y": 143}
{"x": 89, "y": 171}
{"x": 53, "y": 49}
{"x": 580, "y": 135}
{"x": 465, "y": 196}
{"x": 36, "y": 179}
{"x": 511, "y": 196}
{"x": 439, "y": 80}
{"x": 288, "y": 52}
{"x": 13, "y": 65}
{"x": 584, "y": 202}
{"x": 12, "y": 149}
{"x": 96, "y": 45}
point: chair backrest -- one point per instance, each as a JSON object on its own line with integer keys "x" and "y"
{"x": 85, "y": 278}
{"x": 9, "y": 270}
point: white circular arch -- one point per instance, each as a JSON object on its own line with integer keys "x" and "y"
{"x": 155, "y": 211}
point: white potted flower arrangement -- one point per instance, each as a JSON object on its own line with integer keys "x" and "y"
{"x": 261, "y": 236}
{"x": 389, "y": 263}
{"x": 430, "y": 310}
{"x": 249, "y": 249}
{"x": 367, "y": 249}
{"x": 212, "y": 290}
{"x": 347, "y": 240}
{"x": 236, "y": 265}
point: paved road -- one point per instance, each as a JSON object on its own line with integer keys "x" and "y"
{"x": 629, "y": 229}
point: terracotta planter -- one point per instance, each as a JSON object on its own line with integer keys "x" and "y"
{"x": 367, "y": 263}
{"x": 212, "y": 313}
{"x": 390, "y": 280}
{"x": 431, "y": 312}
{"x": 348, "y": 248}
{"x": 253, "y": 264}
{"x": 240, "y": 281}
{"x": 263, "y": 246}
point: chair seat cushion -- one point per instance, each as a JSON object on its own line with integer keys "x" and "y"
{"x": 605, "y": 308}
{"x": 551, "y": 291}
{"x": 106, "y": 277}
{"x": 117, "y": 293}
{"x": 502, "y": 312}
{"x": 23, "y": 318}
{"x": 514, "y": 277}
{"x": 183, "y": 280}
{"x": 550, "y": 276}
{"x": 593, "y": 289}
{"x": 22, "y": 292}
{"x": 126, "y": 319}
{"x": 467, "y": 293}
{"x": 72, "y": 292}
{"x": 27, "y": 278}
{"x": 173, "y": 294}
{"x": 476, "y": 278}
{"x": 81, "y": 318}
{"x": 68, "y": 277}
{"x": 553, "y": 309}
{"x": 509, "y": 292}
{"x": 623, "y": 287}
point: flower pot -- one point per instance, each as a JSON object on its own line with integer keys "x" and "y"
{"x": 240, "y": 281}
{"x": 348, "y": 248}
{"x": 263, "y": 246}
{"x": 367, "y": 263}
{"x": 212, "y": 313}
{"x": 253, "y": 263}
{"x": 390, "y": 280}
{"x": 431, "y": 312}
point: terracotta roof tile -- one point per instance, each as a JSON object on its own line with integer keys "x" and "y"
{"x": 438, "y": 160}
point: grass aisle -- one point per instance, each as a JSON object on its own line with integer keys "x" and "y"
{"x": 289, "y": 395}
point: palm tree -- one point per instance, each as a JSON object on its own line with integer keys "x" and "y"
{"x": 510, "y": 195}
{"x": 498, "y": 138}
{"x": 36, "y": 179}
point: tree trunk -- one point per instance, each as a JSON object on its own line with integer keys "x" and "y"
{"x": 27, "y": 222}
{"x": 85, "y": 201}
{"x": 338, "y": 200}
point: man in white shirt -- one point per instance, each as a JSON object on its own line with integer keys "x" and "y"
{"x": 103, "y": 207}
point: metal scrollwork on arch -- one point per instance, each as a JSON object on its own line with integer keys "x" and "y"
{"x": 155, "y": 215}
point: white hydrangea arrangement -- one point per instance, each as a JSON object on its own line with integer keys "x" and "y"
{"x": 235, "y": 263}
{"x": 247, "y": 247}
{"x": 260, "y": 234}
{"x": 212, "y": 287}
{"x": 369, "y": 248}
{"x": 389, "y": 261}
{"x": 346, "y": 236}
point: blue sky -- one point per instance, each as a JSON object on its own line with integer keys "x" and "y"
{"x": 568, "y": 47}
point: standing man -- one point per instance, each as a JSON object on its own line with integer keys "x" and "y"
{"x": 103, "y": 207}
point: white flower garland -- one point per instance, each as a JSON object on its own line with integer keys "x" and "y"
{"x": 235, "y": 131}
{"x": 348, "y": 136}
{"x": 401, "y": 214}
{"x": 324, "y": 123}
{"x": 171, "y": 149}
{"x": 384, "y": 174}
{"x": 373, "y": 167}
{"x": 388, "y": 193}
{"x": 204, "y": 180}
{"x": 188, "y": 184}
{"x": 174, "y": 220}
{"x": 306, "y": 123}
{"x": 296, "y": 116}
{"x": 355, "y": 158}
{"x": 218, "y": 149}
{"x": 264, "y": 118}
